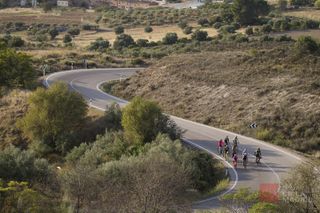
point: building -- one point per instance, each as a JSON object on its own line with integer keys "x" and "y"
{"x": 61, "y": 3}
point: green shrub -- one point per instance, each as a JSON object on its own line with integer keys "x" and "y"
{"x": 67, "y": 39}
{"x": 123, "y": 41}
{"x": 74, "y": 31}
{"x": 203, "y": 22}
{"x": 317, "y": 4}
{"x": 182, "y": 24}
{"x": 200, "y": 35}
{"x": 99, "y": 45}
{"x": 148, "y": 29}
{"x": 16, "y": 69}
{"x": 170, "y": 38}
{"x": 119, "y": 30}
{"x": 306, "y": 45}
{"x": 227, "y": 29}
{"x": 142, "y": 43}
{"x": 57, "y": 129}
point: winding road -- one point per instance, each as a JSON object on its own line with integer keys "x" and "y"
{"x": 276, "y": 161}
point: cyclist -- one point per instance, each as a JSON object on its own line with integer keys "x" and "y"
{"x": 220, "y": 146}
{"x": 258, "y": 155}
{"x": 226, "y": 151}
{"x": 236, "y": 141}
{"x": 226, "y": 140}
{"x": 244, "y": 158}
{"x": 235, "y": 160}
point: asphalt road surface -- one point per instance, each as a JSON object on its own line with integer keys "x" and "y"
{"x": 275, "y": 163}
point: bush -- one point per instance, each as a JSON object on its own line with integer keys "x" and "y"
{"x": 67, "y": 39}
{"x": 99, "y": 45}
{"x": 142, "y": 43}
{"x": 187, "y": 30}
{"x": 266, "y": 28}
{"x": 53, "y": 33}
{"x": 74, "y": 31}
{"x": 143, "y": 120}
{"x": 55, "y": 117}
{"x": 16, "y": 164}
{"x": 200, "y": 35}
{"x": 203, "y": 22}
{"x": 217, "y": 25}
{"x": 317, "y": 4}
{"x": 182, "y": 24}
{"x": 148, "y": 29}
{"x": 119, "y": 30}
{"x": 170, "y": 38}
{"x": 123, "y": 41}
{"x": 16, "y": 70}
{"x": 306, "y": 45}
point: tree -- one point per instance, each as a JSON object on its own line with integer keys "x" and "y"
{"x": 306, "y": 45}
{"x": 122, "y": 41}
{"x": 170, "y": 38}
{"x": 53, "y": 33}
{"x": 67, "y": 39}
{"x": 187, "y": 30}
{"x": 203, "y": 22}
{"x": 74, "y": 31}
{"x": 140, "y": 120}
{"x": 119, "y": 30}
{"x": 148, "y": 29}
{"x": 200, "y": 35}
{"x": 55, "y": 117}
{"x": 16, "y": 70}
{"x": 246, "y": 12}
{"x": 302, "y": 189}
{"x": 99, "y": 45}
{"x": 317, "y": 4}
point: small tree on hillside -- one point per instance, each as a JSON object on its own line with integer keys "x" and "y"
{"x": 123, "y": 41}
{"x": 200, "y": 35}
{"x": 53, "y": 33}
{"x": 54, "y": 117}
{"x": 67, "y": 39}
{"x": 119, "y": 30}
{"x": 306, "y": 45}
{"x": 16, "y": 69}
{"x": 170, "y": 38}
{"x": 148, "y": 29}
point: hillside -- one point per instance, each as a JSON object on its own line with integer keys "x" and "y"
{"x": 232, "y": 88}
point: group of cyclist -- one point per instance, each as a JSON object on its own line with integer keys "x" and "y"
{"x": 224, "y": 150}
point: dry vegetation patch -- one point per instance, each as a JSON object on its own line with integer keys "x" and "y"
{"x": 231, "y": 89}
{"x": 12, "y": 107}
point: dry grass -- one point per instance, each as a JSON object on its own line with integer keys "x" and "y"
{"x": 231, "y": 89}
{"x": 12, "y": 107}
{"x": 31, "y": 16}
{"x": 297, "y": 33}
{"x": 305, "y": 13}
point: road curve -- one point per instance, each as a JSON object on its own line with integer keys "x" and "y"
{"x": 276, "y": 161}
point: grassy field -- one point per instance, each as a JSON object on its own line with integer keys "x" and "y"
{"x": 31, "y": 16}
{"x": 305, "y": 13}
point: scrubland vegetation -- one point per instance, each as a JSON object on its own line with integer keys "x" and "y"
{"x": 225, "y": 65}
